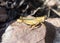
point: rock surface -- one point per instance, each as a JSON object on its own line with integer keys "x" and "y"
{"x": 22, "y": 33}
{"x": 54, "y": 21}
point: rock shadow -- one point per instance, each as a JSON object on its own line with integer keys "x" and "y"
{"x": 50, "y": 32}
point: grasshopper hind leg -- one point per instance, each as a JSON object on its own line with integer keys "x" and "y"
{"x": 35, "y": 26}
